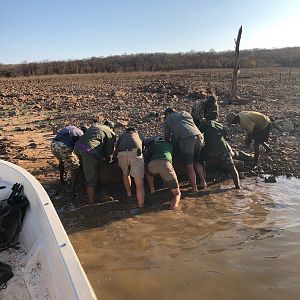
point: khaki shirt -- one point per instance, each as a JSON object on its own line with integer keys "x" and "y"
{"x": 251, "y": 119}
{"x": 181, "y": 125}
{"x": 129, "y": 140}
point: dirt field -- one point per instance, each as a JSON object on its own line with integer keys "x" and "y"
{"x": 33, "y": 109}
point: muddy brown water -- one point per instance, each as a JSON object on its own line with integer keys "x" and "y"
{"x": 226, "y": 245}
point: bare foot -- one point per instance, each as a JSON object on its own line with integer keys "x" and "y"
{"x": 203, "y": 185}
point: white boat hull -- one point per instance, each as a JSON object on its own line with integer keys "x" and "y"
{"x": 46, "y": 242}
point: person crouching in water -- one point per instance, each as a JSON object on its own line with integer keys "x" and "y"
{"x": 158, "y": 155}
{"x": 131, "y": 161}
{"x": 62, "y": 148}
{"x": 216, "y": 147}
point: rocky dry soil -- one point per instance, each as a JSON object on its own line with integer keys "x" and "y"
{"x": 33, "y": 109}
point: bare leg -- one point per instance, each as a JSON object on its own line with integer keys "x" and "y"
{"x": 61, "y": 167}
{"x": 200, "y": 170}
{"x": 176, "y": 198}
{"x": 127, "y": 184}
{"x": 140, "y": 191}
{"x": 91, "y": 194}
{"x": 192, "y": 177}
{"x": 150, "y": 180}
{"x": 241, "y": 155}
{"x": 235, "y": 177}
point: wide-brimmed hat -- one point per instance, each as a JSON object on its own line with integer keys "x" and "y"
{"x": 230, "y": 117}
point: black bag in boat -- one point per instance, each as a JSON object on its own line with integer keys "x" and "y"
{"x": 5, "y": 274}
{"x": 12, "y": 211}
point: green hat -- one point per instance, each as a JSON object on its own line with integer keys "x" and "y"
{"x": 230, "y": 117}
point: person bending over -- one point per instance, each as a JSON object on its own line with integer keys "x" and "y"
{"x": 62, "y": 148}
{"x": 216, "y": 147}
{"x": 96, "y": 144}
{"x": 131, "y": 161}
{"x": 158, "y": 155}
{"x": 190, "y": 140}
{"x": 258, "y": 127}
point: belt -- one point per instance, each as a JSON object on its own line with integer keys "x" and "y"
{"x": 128, "y": 149}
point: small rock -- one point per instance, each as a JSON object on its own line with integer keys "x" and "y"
{"x": 270, "y": 179}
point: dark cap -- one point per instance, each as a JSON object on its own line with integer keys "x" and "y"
{"x": 168, "y": 111}
{"x": 230, "y": 117}
{"x": 109, "y": 123}
{"x": 130, "y": 129}
{"x": 158, "y": 139}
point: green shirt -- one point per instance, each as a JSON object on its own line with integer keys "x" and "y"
{"x": 100, "y": 138}
{"x": 214, "y": 134}
{"x": 161, "y": 150}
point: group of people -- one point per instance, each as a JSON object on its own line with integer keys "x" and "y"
{"x": 198, "y": 135}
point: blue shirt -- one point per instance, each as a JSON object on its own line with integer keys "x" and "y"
{"x": 69, "y": 135}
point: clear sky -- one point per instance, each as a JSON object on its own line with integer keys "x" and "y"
{"x": 37, "y": 30}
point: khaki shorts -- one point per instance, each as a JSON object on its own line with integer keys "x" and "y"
{"x": 131, "y": 164}
{"x": 191, "y": 148}
{"x": 65, "y": 154}
{"x": 166, "y": 171}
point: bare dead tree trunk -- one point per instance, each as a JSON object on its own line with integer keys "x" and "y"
{"x": 291, "y": 64}
{"x": 236, "y": 64}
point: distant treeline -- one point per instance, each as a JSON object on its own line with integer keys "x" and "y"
{"x": 255, "y": 58}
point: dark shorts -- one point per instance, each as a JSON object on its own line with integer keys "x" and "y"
{"x": 263, "y": 135}
{"x": 223, "y": 158}
{"x": 191, "y": 148}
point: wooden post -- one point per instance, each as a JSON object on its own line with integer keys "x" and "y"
{"x": 236, "y": 64}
